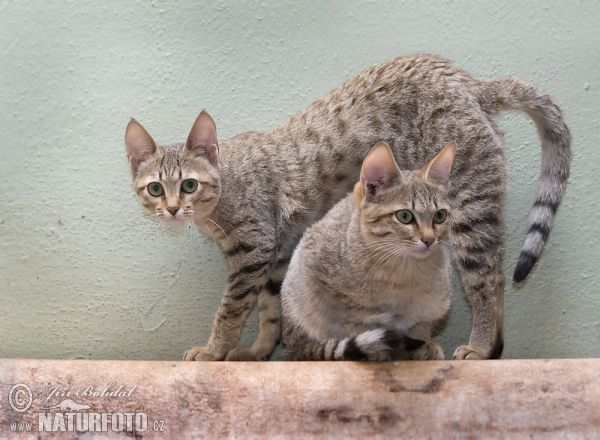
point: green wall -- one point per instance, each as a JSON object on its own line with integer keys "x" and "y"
{"x": 85, "y": 272}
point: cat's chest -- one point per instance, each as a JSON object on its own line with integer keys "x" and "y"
{"x": 402, "y": 301}
{"x": 405, "y": 309}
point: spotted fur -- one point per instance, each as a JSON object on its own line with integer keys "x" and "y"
{"x": 377, "y": 262}
{"x": 259, "y": 191}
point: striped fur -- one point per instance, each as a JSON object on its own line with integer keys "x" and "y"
{"x": 259, "y": 191}
{"x": 510, "y": 93}
{"x": 372, "y": 345}
{"x": 360, "y": 272}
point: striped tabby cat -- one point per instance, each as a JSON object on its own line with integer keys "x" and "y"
{"x": 258, "y": 192}
{"x": 377, "y": 262}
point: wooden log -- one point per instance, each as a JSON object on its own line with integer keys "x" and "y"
{"x": 441, "y": 399}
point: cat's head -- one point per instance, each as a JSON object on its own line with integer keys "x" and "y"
{"x": 405, "y": 211}
{"x": 176, "y": 182}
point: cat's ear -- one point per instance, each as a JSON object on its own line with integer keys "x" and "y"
{"x": 439, "y": 168}
{"x": 139, "y": 144}
{"x": 379, "y": 171}
{"x": 202, "y": 139}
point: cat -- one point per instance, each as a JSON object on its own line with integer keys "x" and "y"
{"x": 257, "y": 192}
{"x": 377, "y": 262}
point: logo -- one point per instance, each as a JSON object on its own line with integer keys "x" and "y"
{"x": 69, "y": 405}
{"x": 62, "y": 409}
{"x": 20, "y": 397}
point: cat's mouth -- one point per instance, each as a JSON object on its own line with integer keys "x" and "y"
{"x": 175, "y": 220}
{"x": 421, "y": 251}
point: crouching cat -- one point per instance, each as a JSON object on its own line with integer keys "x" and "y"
{"x": 375, "y": 268}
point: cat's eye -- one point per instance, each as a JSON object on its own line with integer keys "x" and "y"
{"x": 440, "y": 216}
{"x": 189, "y": 185}
{"x": 404, "y": 216}
{"x": 155, "y": 189}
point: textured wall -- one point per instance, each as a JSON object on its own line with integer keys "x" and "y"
{"x": 86, "y": 273}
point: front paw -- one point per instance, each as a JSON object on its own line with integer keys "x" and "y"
{"x": 382, "y": 355}
{"x": 467, "y": 352}
{"x": 428, "y": 351}
{"x": 200, "y": 354}
{"x": 246, "y": 355}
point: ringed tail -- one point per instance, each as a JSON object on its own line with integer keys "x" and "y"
{"x": 356, "y": 348}
{"x": 511, "y": 93}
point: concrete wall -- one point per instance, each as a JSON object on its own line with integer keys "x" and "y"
{"x": 85, "y": 272}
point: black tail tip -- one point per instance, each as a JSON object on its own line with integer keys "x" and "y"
{"x": 526, "y": 262}
{"x": 411, "y": 344}
{"x": 399, "y": 341}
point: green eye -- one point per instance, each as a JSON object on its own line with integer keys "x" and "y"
{"x": 440, "y": 216}
{"x": 404, "y": 216}
{"x": 189, "y": 185}
{"x": 155, "y": 189}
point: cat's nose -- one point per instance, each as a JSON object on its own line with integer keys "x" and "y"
{"x": 428, "y": 241}
{"x": 173, "y": 209}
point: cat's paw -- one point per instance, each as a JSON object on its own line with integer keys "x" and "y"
{"x": 468, "y": 352}
{"x": 382, "y": 355}
{"x": 245, "y": 355}
{"x": 199, "y": 354}
{"x": 428, "y": 351}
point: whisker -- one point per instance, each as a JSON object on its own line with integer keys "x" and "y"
{"x": 214, "y": 223}
{"x": 385, "y": 246}
{"x": 374, "y": 252}
{"x": 209, "y": 230}
{"x": 191, "y": 228}
{"x": 391, "y": 255}
{"x": 382, "y": 260}
{"x": 383, "y": 249}
{"x": 399, "y": 254}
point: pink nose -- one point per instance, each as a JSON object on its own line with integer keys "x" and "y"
{"x": 428, "y": 240}
{"x": 173, "y": 209}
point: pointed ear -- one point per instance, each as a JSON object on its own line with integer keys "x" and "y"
{"x": 379, "y": 170}
{"x": 359, "y": 194}
{"x": 202, "y": 140}
{"x": 439, "y": 168}
{"x": 139, "y": 144}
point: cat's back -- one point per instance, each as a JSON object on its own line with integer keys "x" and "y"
{"x": 415, "y": 103}
{"x": 322, "y": 240}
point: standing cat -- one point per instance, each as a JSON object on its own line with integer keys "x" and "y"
{"x": 258, "y": 192}
{"x": 378, "y": 261}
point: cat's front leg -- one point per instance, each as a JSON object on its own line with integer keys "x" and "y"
{"x": 379, "y": 356}
{"x": 269, "y": 318}
{"x": 245, "y": 281}
{"x": 428, "y": 351}
{"x": 269, "y": 326}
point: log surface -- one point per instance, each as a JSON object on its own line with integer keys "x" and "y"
{"x": 428, "y": 399}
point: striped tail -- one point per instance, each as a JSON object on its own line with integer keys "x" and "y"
{"x": 512, "y": 93}
{"x": 363, "y": 347}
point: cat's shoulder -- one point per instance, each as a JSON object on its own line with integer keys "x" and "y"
{"x": 244, "y": 142}
{"x": 336, "y": 219}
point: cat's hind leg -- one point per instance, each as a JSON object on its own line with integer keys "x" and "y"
{"x": 269, "y": 327}
{"x": 478, "y": 234}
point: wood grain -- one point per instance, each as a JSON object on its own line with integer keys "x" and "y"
{"x": 441, "y": 399}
